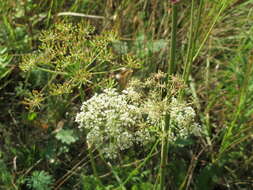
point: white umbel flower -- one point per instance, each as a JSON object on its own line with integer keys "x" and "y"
{"x": 116, "y": 121}
{"x": 182, "y": 120}
{"x": 112, "y": 120}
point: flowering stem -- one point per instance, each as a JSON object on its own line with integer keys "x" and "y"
{"x": 171, "y": 70}
{"x": 190, "y": 48}
{"x": 134, "y": 172}
{"x": 164, "y": 152}
{"x": 172, "y": 64}
{"x": 93, "y": 165}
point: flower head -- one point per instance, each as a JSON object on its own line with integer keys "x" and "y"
{"x": 182, "y": 120}
{"x": 113, "y": 121}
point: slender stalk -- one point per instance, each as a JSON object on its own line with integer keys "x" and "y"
{"x": 188, "y": 62}
{"x": 172, "y": 64}
{"x": 199, "y": 20}
{"x": 80, "y": 15}
{"x": 164, "y": 152}
{"x": 93, "y": 165}
{"x": 171, "y": 70}
{"x": 52, "y": 71}
{"x": 193, "y": 35}
{"x": 223, "y": 6}
{"x": 135, "y": 171}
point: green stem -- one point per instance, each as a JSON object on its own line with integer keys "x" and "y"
{"x": 194, "y": 33}
{"x": 164, "y": 152}
{"x": 172, "y": 64}
{"x": 136, "y": 170}
{"x": 171, "y": 70}
{"x": 51, "y": 71}
{"x": 223, "y": 6}
{"x": 190, "y": 50}
{"x": 94, "y": 169}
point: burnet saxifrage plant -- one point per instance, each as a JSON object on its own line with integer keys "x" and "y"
{"x": 118, "y": 120}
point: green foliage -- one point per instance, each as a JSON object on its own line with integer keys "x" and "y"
{"x": 5, "y": 176}
{"x": 142, "y": 186}
{"x": 5, "y": 60}
{"x": 40, "y": 180}
{"x": 145, "y": 47}
{"x": 66, "y": 136}
{"x": 32, "y": 116}
{"x": 208, "y": 177}
{"x": 49, "y": 64}
{"x": 90, "y": 183}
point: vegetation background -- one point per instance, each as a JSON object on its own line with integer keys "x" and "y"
{"x": 211, "y": 43}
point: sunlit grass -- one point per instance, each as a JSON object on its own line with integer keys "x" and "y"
{"x": 206, "y": 51}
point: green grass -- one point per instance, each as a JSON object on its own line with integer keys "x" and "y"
{"x": 205, "y": 47}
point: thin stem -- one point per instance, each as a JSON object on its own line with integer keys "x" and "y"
{"x": 51, "y": 71}
{"x": 164, "y": 151}
{"x": 172, "y": 64}
{"x": 188, "y": 62}
{"x": 93, "y": 165}
{"x": 210, "y": 29}
{"x": 114, "y": 172}
{"x": 171, "y": 70}
{"x": 194, "y": 33}
{"x": 81, "y": 15}
{"x": 135, "y": 171}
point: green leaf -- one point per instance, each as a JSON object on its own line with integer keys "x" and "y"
{"x": 40, "y": 180}
{"x": 208, "y": 177}
{"x": 5, "y": 61}
{"x": 90, "y": 183}
{"x": 66, "y": 136}
{"x": 31, "y": 116}
{"x": 142, "y": 186}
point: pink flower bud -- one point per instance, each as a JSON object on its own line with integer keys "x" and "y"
{"x": 175, "y": 1}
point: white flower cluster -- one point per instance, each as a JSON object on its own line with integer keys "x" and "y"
{"x": 182, "y": 120}
{"x": 155, "y": 110}
{"x": 113, "y": 121}
{"x": 181, "y": 113}
{"x": 116, "y": 121}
